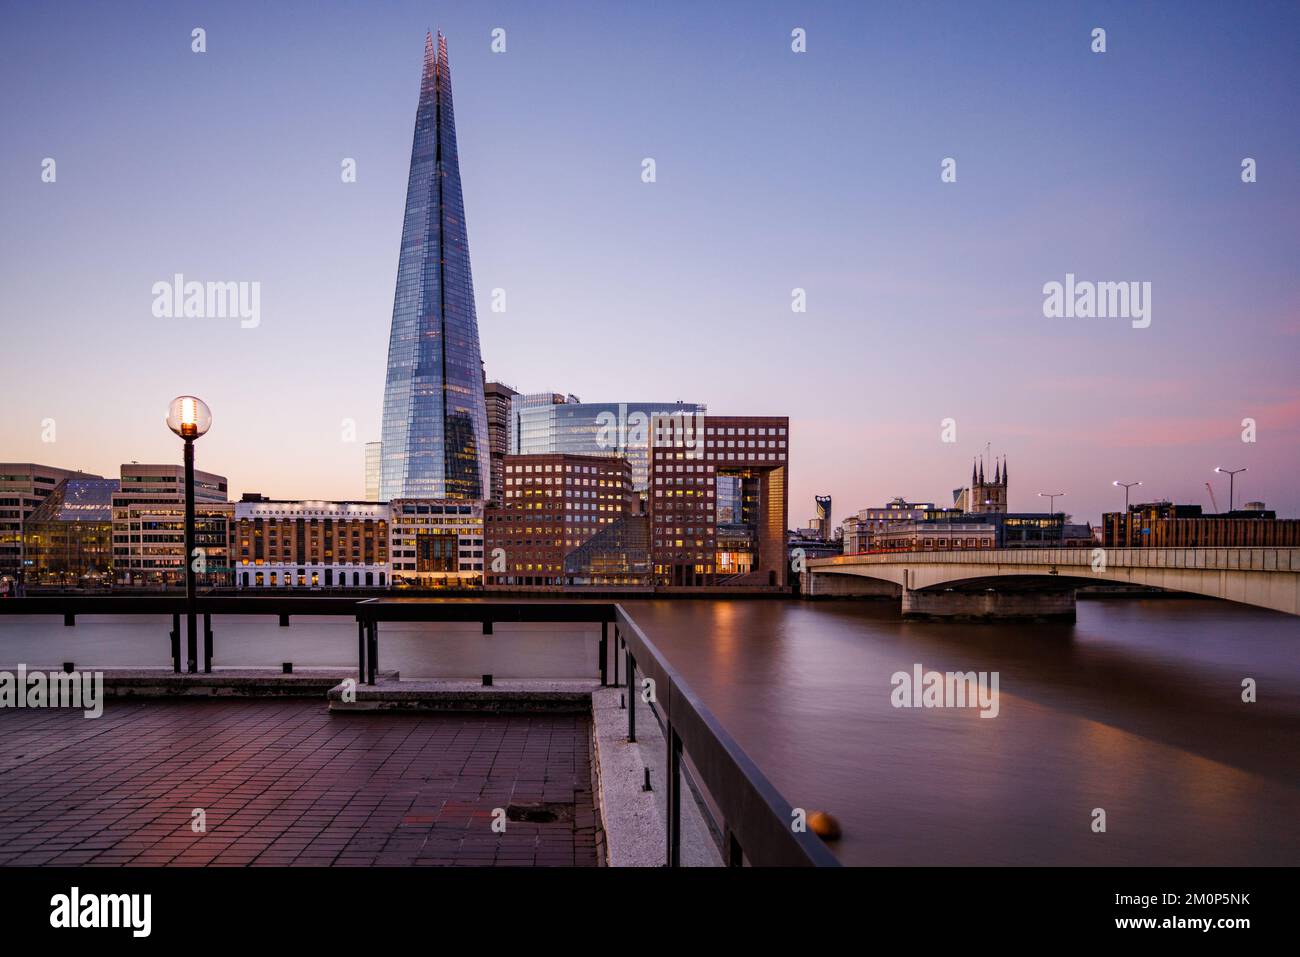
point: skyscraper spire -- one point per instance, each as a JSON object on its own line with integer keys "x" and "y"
{"x": 435, "y": 415}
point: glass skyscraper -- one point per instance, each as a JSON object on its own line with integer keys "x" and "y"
{"x": 542, "y": 424}
{"x": 434, "y": 440}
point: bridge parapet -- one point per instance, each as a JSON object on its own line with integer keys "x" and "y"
{"x": 1227, "y": 559}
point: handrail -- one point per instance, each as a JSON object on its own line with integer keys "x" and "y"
{"x": 757, "y": 820}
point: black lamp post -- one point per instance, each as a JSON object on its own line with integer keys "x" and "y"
{"x": 189, "y": 418}
{"x": 1232, "y": 477}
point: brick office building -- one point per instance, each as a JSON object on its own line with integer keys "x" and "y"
{"x": 551, "y": 505}
{"x": 691, "y": 457}
{"x": 283, "y": 544}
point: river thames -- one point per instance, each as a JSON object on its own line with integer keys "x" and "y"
{"x": 1135, "y": 709}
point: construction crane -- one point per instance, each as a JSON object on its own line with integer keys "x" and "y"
{"x": 1210, "y": 488}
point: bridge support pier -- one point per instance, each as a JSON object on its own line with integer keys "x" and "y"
{"x": 1053, "y": 604}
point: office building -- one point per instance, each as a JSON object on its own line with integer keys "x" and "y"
{"x": 68, "y": 538}
{"x": 139, "y": 557}
{"x": 688, "y": 454}
{"x": 498, "y": 397}
{"x": 862, "y": 526}
{"x": 1166, "y": 525}
{"x": 592, "y": 428}
{"x": 925, "y": 536}
{"x": 552, "y": 504}
{"x": 531, "y": 431}
{"x": 23, "y": 486}
{"x": 436, "y": 543}
{"x": 155, "y": 535}
{"x": 434, "y": 435}
{"x": 305, "y": 544}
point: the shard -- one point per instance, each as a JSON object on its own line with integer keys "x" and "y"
{"x": 435, "y": 417}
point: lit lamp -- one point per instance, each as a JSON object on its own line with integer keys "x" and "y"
{"x": 190, "y": 418}
{"x": 1051, "y": 499}
{"x": 1125, "y": 486}
{"x": 1232, "y": 477}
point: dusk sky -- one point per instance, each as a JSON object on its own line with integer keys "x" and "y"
{"x": 775, "y": 170}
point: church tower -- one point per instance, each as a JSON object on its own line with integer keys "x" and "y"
{"x": 982, "y": 496}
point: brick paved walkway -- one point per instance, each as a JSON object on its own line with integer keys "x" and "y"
{"x": 284, "y": 782}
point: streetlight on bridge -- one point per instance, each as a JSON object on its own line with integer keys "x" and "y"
{"x": 1126, "y": 486}
{"x": 190, "y": 418}
{"x": 1232, "y": 475}
{"x": 1051, "y": 500}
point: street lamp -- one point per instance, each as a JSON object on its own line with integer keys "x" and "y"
{"x": 1051, "y": 500}
{"x": 1126, "y": 486}
{"x": 1232, "y": 475}
{"x": 189, "y": 418}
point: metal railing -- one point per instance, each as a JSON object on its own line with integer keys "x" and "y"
{"x": 70, "y": 606}
{"x": 754, "y": 822}
{"x": 371, "y": 612}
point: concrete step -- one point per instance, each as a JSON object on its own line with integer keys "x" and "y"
{"x": 504, "y": 696}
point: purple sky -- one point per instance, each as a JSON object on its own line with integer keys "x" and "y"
{"x": 775, "y": 170}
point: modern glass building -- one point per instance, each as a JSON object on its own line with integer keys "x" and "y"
{"x": 434, "y": 440}
{"x": 591, "y": 428}
{"x": 68, "y": 538}
{"x": 373, "y": 470}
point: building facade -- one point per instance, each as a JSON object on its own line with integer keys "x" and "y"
{"x": 140, "y": 562}
{"x": 923, "y": 536}
{"x": 552, "y": 504}
{"x": 860, "y": 528}
{"x": 315, "y": 545}
{"x": 688, "y": 455}
{"x": 434, "y": 437}
{"x": 68, "y": 538}
{"x": 436, "y": 543}
{"x": 1166, "y": 525}
{"x": 156, "y": 538}
{"x": 499, "y": 398}
{"x": 546, "y": 426}
{"x": 374, "y": 465}
{"x": 23, "y": 486}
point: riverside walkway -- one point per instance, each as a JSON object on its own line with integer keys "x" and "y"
{"x": 282, "y": 782}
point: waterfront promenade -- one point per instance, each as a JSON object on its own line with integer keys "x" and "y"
{"x": 286, "y": 783}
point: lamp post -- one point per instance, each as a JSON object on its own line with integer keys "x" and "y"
{"x": 189, "y": 418}
{"x": 1051, "y": 499}
{"x": 1232, "y": 475}
{"x": 1126, "y": 486}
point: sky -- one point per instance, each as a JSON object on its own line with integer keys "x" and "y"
{"x": 775, "y": 171}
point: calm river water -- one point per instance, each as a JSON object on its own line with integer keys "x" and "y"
{"x": 1136, "y": 709}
